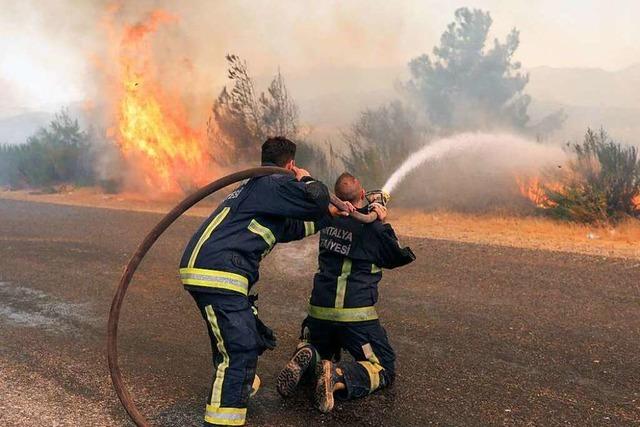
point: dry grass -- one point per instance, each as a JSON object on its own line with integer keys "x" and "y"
{"x": 495, "y": 229}
{"x": 527, "y": 232}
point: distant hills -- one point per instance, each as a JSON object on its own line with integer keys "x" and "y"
{"x": 591, "y": 97}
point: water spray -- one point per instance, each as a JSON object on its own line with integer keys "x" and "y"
{"x": 516, "y": 153}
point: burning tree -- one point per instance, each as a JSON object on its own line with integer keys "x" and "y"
{"x": 163, "y": 152}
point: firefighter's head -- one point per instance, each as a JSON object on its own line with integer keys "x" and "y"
{"x": 349, "y": 189}
{"x": 279, "y": 151}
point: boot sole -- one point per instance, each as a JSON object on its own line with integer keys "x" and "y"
{"x": 324, "y": 387}
{"x": 290, "y": 376}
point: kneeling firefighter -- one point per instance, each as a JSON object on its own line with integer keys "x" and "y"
{"x": 220, "y": 265}
{"x": 342, "y": 312}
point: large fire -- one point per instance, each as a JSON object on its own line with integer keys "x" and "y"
{"x": 152, "y": 128}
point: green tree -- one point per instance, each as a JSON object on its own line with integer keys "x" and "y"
{"x": 59, "y": 153}
{"x": 464, "y": 85}
{"x": 241, "y": 120}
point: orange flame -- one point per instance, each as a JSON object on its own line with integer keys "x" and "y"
{"x": 152, "y": 128}
{"x": 534, "y": 189}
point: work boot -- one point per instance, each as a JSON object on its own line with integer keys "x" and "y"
{"x": 329, "y": 379}
{"x": 290, "y": 376}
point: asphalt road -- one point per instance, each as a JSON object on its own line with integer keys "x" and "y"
{"x": 485, "y": 335}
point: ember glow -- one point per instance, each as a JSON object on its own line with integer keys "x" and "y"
{"x": 151, "y": 125}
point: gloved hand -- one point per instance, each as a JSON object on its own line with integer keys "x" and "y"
{"x": 266, "y": 335}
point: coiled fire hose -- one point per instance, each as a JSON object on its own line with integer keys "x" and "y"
{"x": 143, "y": 248}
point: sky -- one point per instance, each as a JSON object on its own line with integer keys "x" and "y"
{"x": 46, "y": 46}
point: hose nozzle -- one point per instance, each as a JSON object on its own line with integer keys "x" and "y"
{"x": 378, "y": 196}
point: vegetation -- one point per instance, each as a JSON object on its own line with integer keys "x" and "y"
{"x": 379, "y": 141}
{"x": 241, "y": 120}
{"x": 59, "y": 153}
{"x": 462, "y": 87}
{"x": 601, "y": 184}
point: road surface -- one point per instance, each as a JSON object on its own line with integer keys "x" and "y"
{"x": 485, "y": 335}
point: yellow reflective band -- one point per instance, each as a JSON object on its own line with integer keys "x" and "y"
{"x": 225, "y": 416}
{"x": 216, "y": 390}
{"x": 359, "y": 314}
{"x": 373, "y": 370}
{"x": 341, "y": 286}
{"x": 375, "y": 269}
{"x": 214, "y": 279}
{"x": 265, "y": 233}
{"x": 206, "y": 234}
{"x": 309, "y": 228}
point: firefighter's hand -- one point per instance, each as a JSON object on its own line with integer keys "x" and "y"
{"x": 337, "y": 212}
{"x": 300, "y": 173}
{"x": 380, "y": 210}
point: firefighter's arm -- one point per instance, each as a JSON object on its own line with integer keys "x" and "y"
{"x": 306, "y": 200}
{"x": 296, "y": 229}
{"x": 386, "y": 249}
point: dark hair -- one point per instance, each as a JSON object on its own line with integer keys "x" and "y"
{"x": 347, "y": 187}
{"x": 278, "y": 150}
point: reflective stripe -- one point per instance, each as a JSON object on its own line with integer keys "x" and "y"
{"x": 265, "y": 233}
{"x": 216, "y": 389}
{"x": 358, "y": 314}
{"x": 375, "y": 269}
{"x": 206, "y": 234}
{"x": 309, "y": 228}
{"x": 341, "y": 286}
{"x": 373, "y": 369}
{"x": 225, "y": 416}
{"x": 214, "y": 279}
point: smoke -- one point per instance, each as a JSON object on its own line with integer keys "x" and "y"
{"x": 472, "y": 172}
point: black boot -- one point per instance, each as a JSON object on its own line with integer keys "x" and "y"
{"x": 290, "y": 376}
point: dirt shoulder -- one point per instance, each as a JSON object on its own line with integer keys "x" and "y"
{"x": 511, "y": 231}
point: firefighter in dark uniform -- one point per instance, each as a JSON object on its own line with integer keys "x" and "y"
{"x": 220, "y": 266}
{"x": 342, "y": 313}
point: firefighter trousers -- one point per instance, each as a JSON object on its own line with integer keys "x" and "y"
{"x": 373, "y": 367}
{"x": 235, "y": 347}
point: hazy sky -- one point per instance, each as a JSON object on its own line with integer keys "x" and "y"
{"x": 44, "y": 45}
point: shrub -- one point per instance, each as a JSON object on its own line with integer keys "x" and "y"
{"x": 601, "y": 184}
{"x": 57, "y": 154}
{"x": 379, "y": 141}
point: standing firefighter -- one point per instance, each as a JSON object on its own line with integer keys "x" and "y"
{"x": 220, "y": 265}
{"x": 341, "y": 312}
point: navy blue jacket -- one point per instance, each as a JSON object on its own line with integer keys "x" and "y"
{"x": 351, "y": 258}
{"x": 224, "y": 254}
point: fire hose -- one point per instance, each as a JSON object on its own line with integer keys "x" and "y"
{"x": 143, "y": 248}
